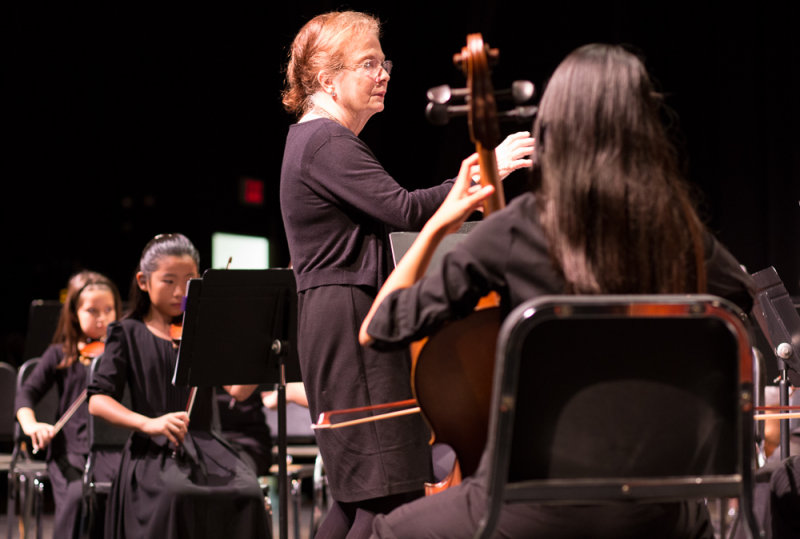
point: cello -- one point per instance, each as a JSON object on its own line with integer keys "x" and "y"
{"x": 462, "y": 352}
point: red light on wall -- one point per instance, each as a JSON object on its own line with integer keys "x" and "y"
{"x": 252, "y": 191}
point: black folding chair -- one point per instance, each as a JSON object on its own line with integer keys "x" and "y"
{"x": 8, "y": 390}
{"x": 303, "y": 462}
{"x": 621, "y": 399}
{"x": 28, "y": 475}
{"x": 108, "y": 440}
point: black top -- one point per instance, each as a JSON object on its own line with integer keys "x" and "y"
{"x": 339, "y": 205}
{"x": 71, "y": 381}
{"x": 134, "y": 355}
{"x": 508, "y": 253}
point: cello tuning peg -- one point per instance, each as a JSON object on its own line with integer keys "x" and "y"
{"x": 440, "y": 114}
{"x": 439, "y": 94}
{"x": 436, "y": 113}
{"x": 522, "y": 91}
{"x": 443, "y": 94}
{"x": 520, "y": 113}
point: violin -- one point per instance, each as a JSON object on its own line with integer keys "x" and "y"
{"x": 91, "y": 350}
{"x": 176, "y": 333}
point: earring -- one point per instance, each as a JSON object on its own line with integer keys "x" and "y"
{"x": 333, "y": 93}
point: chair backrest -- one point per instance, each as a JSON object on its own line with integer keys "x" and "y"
{"x": 8, "y": 391}
{"x": 47, "y": 407}
{"x": 102, "y": 434}
{"x": 610, "y": 398}
{"x": 298, "y": 425}
{"x": 45, "y": 410}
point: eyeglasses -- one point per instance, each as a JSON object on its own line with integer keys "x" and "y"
{"x": 372, "y": 67}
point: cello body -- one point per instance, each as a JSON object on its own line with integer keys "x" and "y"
{"x": 452, "y": 382}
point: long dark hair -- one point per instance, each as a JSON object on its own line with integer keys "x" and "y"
{"x": 157, "y": 248}
{"x": 613, "y": 202}
{"x": 68, "y": 329}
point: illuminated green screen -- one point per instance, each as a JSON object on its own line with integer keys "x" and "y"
{"x": 245, "y": 252}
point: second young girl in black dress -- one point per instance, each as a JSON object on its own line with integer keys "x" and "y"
{"x": 203, "y": 489}
{"x": 91, "y": 303}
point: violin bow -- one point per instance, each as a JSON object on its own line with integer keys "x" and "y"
{"x": 66, "y": 416}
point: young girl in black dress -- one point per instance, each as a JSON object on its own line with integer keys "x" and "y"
{"x": 92, "y": 302}
{"x": 178, "y": 477}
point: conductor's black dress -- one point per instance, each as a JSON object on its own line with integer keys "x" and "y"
{"x": 203, "y": 489}
{"x": 338, "y": 206}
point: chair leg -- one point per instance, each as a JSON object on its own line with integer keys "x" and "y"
{"x": 87, "y": 517}
{"x": 25, "y": 500}
{"x": 722, "y": 507}
{"x": 11, "y": 505}
{"x": 297, "y": 499}
{"x": 38, "y": 493}
{"x": 746, "y": 510}
{"x": 263, "y": 482}
{"x": 319, "y": 496}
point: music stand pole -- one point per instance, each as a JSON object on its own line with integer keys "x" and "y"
{"x": 283, "y": 490}
{"x": 783, "y": 352}
{"x": 783, "y": 391}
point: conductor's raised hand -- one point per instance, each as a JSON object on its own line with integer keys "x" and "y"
{"x": 514, "y": 153}
{"x": 463, "y": 199}
{"x": 173, "y": 425}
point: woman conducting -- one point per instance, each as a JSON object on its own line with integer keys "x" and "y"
{"x": 338, "y": 206}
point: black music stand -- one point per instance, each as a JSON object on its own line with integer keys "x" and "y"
{"x": 42, "y": 321}
{"x": 240, "y": 327}
{"x": 400, "y": 243}
{"x": 780, "y": 323}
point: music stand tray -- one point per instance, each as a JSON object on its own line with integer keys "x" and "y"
{"x": 232, "y": 321}
{"x": 400, "y": 243}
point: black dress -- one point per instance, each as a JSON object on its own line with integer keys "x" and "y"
{"x": 508, "y": 253}
{"x": 338, "y": 207}
{"x": 67, "y": 452}
{"x": 201, "y": 490}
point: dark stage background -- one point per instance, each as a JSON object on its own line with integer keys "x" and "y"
{"x": 128, "y": 120}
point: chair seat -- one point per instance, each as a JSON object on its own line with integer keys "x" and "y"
{"x": 29, "y": 467}
{"x": 102, "y": 487}
{"x": 295, "y": 471}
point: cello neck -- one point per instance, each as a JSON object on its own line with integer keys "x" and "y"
{"x": 474, "y": 61}
{"x": 490, "y": 176}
